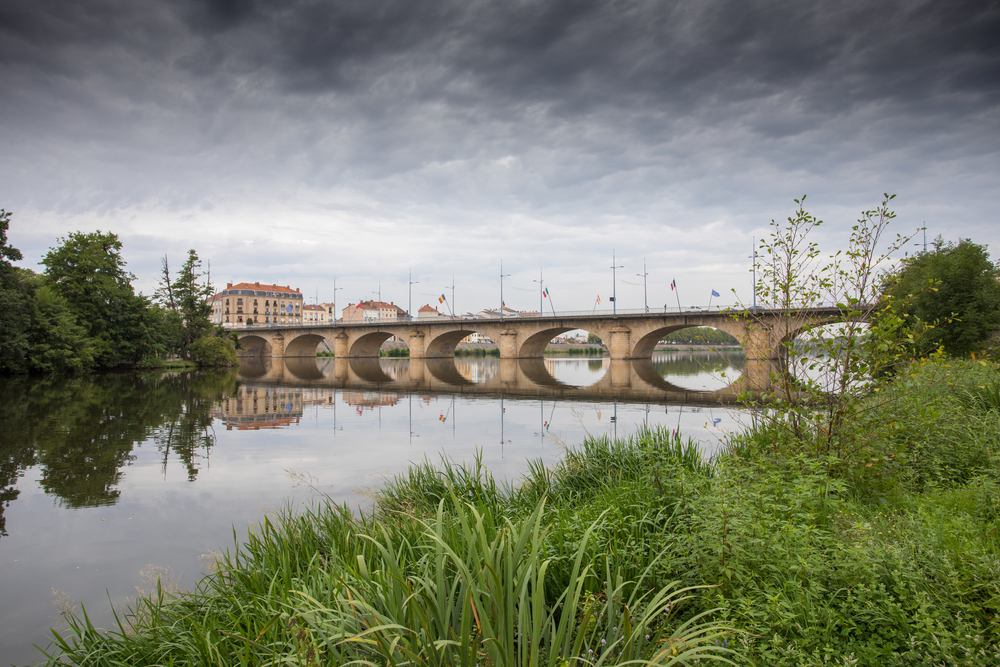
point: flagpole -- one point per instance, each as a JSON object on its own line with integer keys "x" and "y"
{"x": 710, "y": 299}
{"x": 677, "y": 293}
{"x": 551, "y": 306}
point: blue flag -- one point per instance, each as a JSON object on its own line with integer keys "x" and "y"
{"x": 714, "y": 293}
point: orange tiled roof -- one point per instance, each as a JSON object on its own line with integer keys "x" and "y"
{"x": 285, "y": 289}
{"x": 428, "y": 309}
{"x": 374, "y": 305}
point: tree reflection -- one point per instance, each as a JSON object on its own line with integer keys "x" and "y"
{"x": 81, "y": 431}
{"x": 694, "y": 363}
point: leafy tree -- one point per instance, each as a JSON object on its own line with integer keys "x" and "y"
{"x": 57, "y": 343}
{"x": 594, "y": 338}
{"x": 952, "y": 296}
{"x": 15, "y": 306}
{"x": 815, "y": 390}
{"x": 87, "y": 270}
{"x": 187, "y": 298}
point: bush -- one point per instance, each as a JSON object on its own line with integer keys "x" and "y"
{"x": 212, "y": 351}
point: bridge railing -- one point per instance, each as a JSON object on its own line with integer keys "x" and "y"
{"x": 581, "y": 314}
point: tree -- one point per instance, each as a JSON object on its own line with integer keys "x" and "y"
{"x": 953, "y": 296}
{"x": 88, "y": 271}
{"x": 57, "y": 343}
{"x": 187, "y": 297}
{"x": 816, "y": 390}
{"x": 15, "y": 306}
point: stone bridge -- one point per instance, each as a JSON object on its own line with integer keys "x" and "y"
{"x": 627, "y": 336}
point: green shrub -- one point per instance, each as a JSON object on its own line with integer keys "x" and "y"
{"x": 212, "y": 351}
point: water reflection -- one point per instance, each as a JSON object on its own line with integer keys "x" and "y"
{"x": 102, "y": 475}
{"x": 81, "y": 431}
{"x": 703, "y": 379}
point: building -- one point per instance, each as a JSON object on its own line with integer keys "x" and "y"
{"x": 429, "y": 312}
{"x": 331, "y": 313}
{"x": 492, "y": 313}
{"x": 477, "y": 338}
{"x": 373, "y": 311}
{"x": 315, "y": 315}
{"x": 246, "y": 304}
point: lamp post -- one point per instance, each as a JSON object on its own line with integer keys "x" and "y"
{"x": 452, "y": 305}
{"x": 614, "y": 283}
{"x": 541, "y": 292}
{"x": 645, "y": 298}
{"x": 335, "y": 288}
{"x": 502, "y": 276}
{"x": 754, "y": 271}
{"x": 409, "y": 313}
{"x": 379, "y": 302}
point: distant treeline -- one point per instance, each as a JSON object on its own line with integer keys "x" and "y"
{"x": 83, "y": 314}
{"x": 700, "y": 336}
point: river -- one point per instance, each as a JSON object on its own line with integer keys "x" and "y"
{"x": 108, "y": 480}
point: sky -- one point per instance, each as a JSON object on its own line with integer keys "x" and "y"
{"x": 303, "y": 143}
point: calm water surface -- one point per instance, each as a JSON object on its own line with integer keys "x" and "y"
{"x": 103, "y": 479}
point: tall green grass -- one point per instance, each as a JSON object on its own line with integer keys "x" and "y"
{"x": 452, "y": 568}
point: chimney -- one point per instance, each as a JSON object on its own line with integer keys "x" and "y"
{"x": 229, "y": 285}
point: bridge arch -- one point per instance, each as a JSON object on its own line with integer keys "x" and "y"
{"x": 444, "y": 344}
{"x": 644, "y": 346}
{"x": 369, "y": 344}
{"x": 255, "y": 346}
{"x": 535, "y": 344}
{"x": 304, "y": 345}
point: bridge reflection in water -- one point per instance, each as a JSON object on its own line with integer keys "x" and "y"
{"x": 627, "y": 381}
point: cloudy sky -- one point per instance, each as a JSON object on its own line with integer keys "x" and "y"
{"x": 295, "y": 142}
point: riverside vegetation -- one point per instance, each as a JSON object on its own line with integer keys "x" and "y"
{"x": 853, "y": 521}
{"x": 82, "y": 313}
{"x": 628, "y": 550}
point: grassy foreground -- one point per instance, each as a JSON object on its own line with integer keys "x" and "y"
{"x": 630, "y": 551}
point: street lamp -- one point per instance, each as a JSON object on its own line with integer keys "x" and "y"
{"x": 335, "y": 288}
{"x": 645, "y": 299}
{"x": 754, "y": 257}
{"x": 453, "y": 310}
{"x": 502, "y": 276}
{"x": 379, "y": 302}
{"x": 541, "y": 292}
{"x": 413, "y": 282}
{"x": 614, "y": 282}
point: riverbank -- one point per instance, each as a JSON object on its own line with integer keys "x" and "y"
{"x": 888, "y": 554}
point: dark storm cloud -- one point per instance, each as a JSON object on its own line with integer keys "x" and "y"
{"x": 578, "y": 55}
{"x": 423, "y": 116}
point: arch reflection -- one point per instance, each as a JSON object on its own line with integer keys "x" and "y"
{"x": 632, "y": 380}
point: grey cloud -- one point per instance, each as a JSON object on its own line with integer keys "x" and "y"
{"x": 454, "y": 115}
